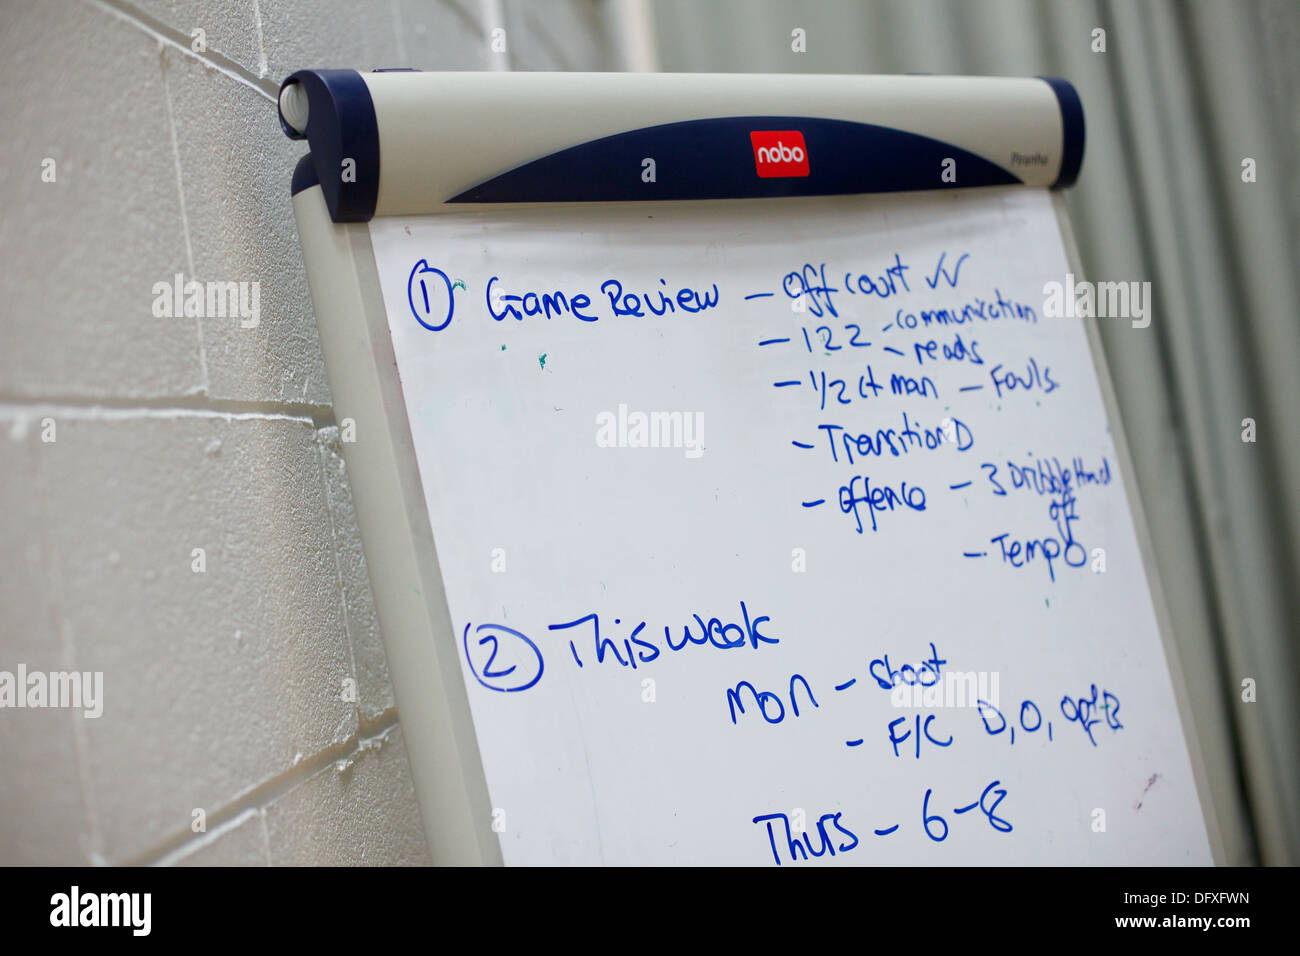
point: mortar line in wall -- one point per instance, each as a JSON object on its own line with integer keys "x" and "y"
{"x": 185, "y": 219}
{"x": 209, "y": 836}
{"x": 262, "y": 66}
{"x": 181, "y": 41}
{"x": 93, "y": 848}
{"x": 262, "y": 796}
{"x": 193, "y": 406}
{"x": 265, "y": 834}
{"x": 398, "y": 33}
{"x": 338, "y": 576}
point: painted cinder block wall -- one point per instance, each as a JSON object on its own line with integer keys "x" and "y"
{"x": 226, "y": 690}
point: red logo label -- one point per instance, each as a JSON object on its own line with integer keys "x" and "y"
{"x": 779, "y": 153}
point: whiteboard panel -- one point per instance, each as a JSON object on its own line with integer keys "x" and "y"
{"x": 698, "y": 562}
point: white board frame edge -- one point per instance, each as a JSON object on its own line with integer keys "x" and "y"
{"x": 442, "y": 747}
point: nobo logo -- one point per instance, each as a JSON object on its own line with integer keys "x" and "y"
{"x": 779, "y": 153}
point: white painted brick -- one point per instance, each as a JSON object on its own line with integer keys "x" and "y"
{"x": 81, "y": 254}
{"x": 242, "y": 843}
{"x": 328, "y": 33}
{"x": 237, "y": 165}
{"x": 28, "y": 625}
{"x": 374, "y": 687}
{"x": 557, "y": 35}
{"x": 365, "y": 814}
{"x": 213, "y": 682}
{"x": 442, "y": 35}
{"x": 40, "y": 789}
{"x": 217, "y": 685}
{"x": 41, "y": 809}
{"x": 229, "y": 26}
